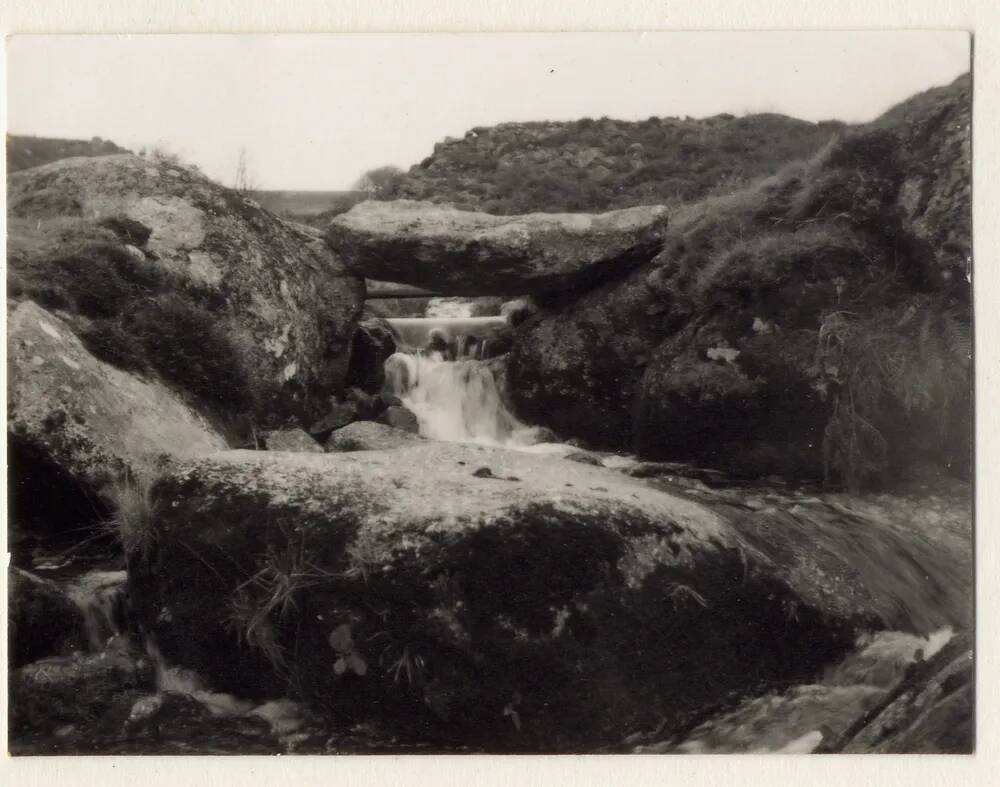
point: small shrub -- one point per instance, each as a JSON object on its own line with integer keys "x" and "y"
{"x": 107, "y": 341}
{"x": 103, "y": 278}
{"x": 185, "y": 346}
{"x": 129, "y": 230}
{"x": 262, "y": 604}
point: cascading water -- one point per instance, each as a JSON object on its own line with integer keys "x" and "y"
{"x": 456, "y": 401}
{"x": 440, "y": 377}
{"x": 100, "y": 595}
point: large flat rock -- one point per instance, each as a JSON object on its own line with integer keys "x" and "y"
{"x": 455, "y": 252}
{"x": 487, "y": 597}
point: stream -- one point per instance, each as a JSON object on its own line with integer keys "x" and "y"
{"x": 438, "y": 373}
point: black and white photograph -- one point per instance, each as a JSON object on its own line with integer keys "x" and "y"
{"x": 490, "y": 393}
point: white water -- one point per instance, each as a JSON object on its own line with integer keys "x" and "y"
{"x": 460, "y": 402}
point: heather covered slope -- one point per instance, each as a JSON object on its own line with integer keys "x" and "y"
{"x": 815, "y": 322}
{"x": 596, "y": 165}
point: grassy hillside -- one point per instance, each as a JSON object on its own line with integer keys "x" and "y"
{"x": 27, "y": 151}
{"x": 588, "y": 165}
{"x": 816, "y": 322}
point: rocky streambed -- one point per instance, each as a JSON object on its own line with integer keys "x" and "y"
{"x": 448, "y": 597}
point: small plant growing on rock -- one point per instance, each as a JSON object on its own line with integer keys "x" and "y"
{"x": 133, "y": 521}
{"x": 263, "y": 602}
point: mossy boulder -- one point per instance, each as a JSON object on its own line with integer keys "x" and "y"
{"x": 164, "y": 272}
{"x": 491, "y": 598}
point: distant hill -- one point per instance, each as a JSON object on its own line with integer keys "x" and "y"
{"x": 315, "y": 208}
{"x": 27, "y": 151}
{"x": 603, "y": 164}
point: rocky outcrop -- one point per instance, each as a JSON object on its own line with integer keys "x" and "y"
{"x": 94, "y": 422}
{"x": 759, "y": 340}
{"x": 494, "y": 598}
{"x": 455, "y": 252}
{"x": 43, "y": 620}
{"x": 162, "y": 271}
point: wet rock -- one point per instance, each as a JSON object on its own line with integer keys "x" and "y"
{"x": 76, "y": 690}
{"x": 457, "y": 252}
{"x": 232, "y": 306}
{"x": 370, "y": 405}
{"x": 173, "y": 723}
{"x": 400, "y": 418}
{"x": 584, "y": 458}
{"x": 91, "y": 421}
{"x": 932, "y": 711}
{"x": 373, "y": 342}
{"x": 43, "y": 620}
{"x": 369, "y": 436}
{"x": 672, "y": 469}
{"x": 518, "y": 310}
{"x": 340, "y": 414}
{"x": 292, "y": 440}
{"x": 433, "y": 600}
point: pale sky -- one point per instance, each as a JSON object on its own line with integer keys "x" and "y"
{"x": 315, "y": 112}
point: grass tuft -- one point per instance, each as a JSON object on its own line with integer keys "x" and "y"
{"x": 133, "y": 521}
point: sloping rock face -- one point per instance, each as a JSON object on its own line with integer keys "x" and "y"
{"x": 93, "y": 420}
{"x": 455, "y": 252}
{"x": 761, "y": 339}
{"x": 486, "y": 597}
{"x": 250, "y": 315}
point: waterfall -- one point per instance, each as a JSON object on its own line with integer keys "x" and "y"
{"x": 100, "y": 596}
{"x": 458, "y": 401}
